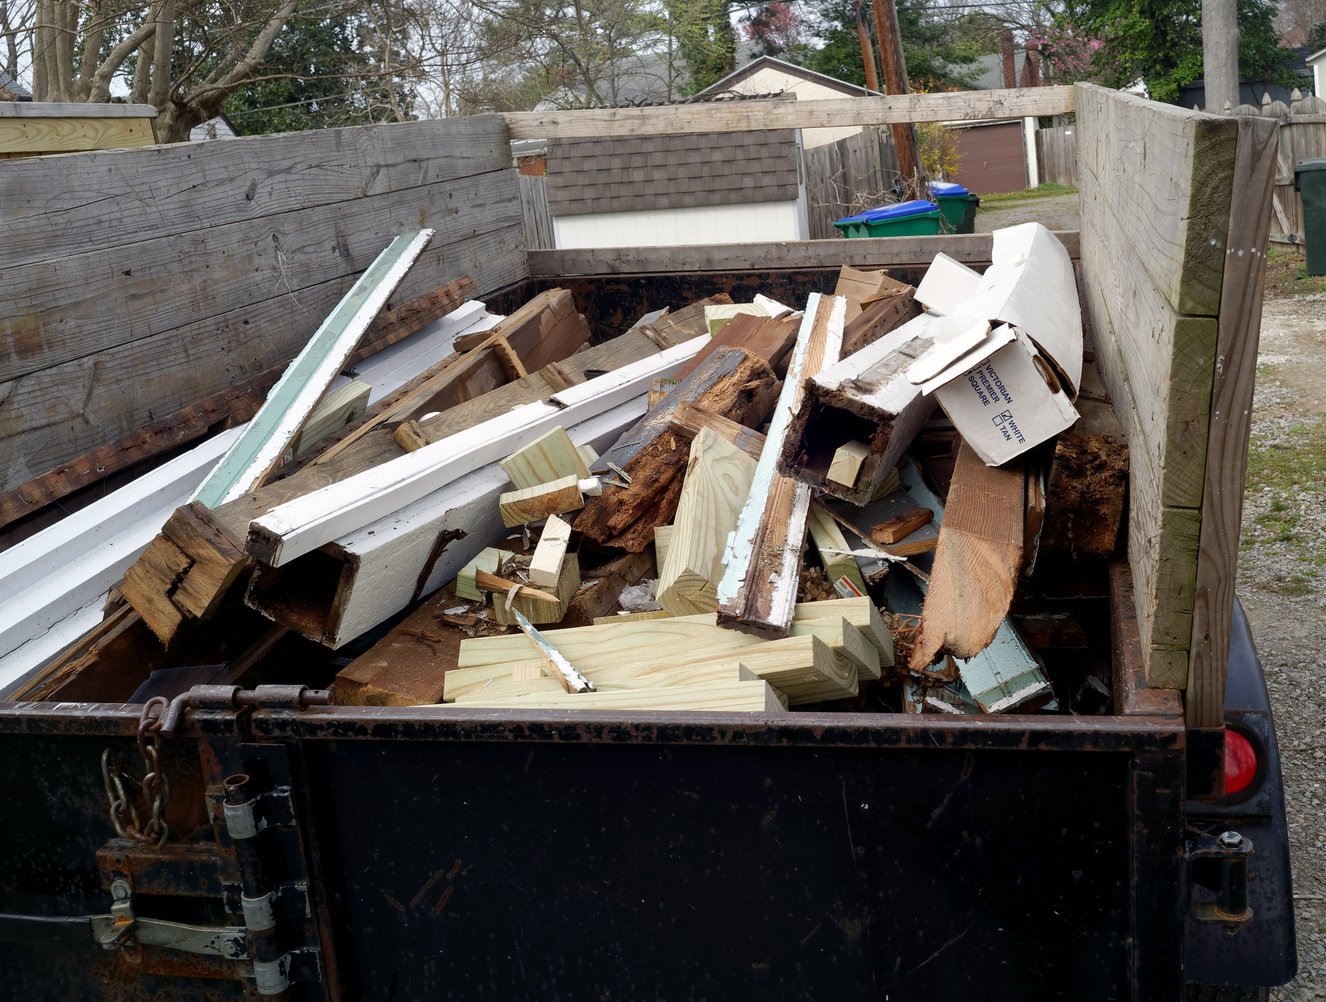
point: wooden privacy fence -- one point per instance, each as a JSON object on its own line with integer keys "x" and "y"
{"x": 1056, "y": 151}
{"x": 846, "y": 177}
{"x": 1302, "y": 128}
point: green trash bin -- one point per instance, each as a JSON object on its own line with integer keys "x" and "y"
{"x": 906, "y": 219}
{"x": 957, "y": 205}
{"x": 1310, "y": 183}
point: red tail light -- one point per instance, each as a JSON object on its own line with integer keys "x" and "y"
{"x": 1240, "y": 762}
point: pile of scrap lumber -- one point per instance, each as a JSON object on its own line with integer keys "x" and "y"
{"x": 883, "y": 498}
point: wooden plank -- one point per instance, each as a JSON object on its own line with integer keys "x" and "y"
{"x": 399, "y": 322}
{"x": 977, "y": 562}
{"x": 763, "y": 556}
{"x": 1167, "y": 174}
{"x": 551, "y": 456}
{"x": 74, "y": 109}
{"x": 899, "y": 527}
{"x": 747, "y": 116}
{"x": 718, "y": 478}
{"x": 730, "y": 381}
{"x": 264, "y": 440}
{"x": 183, "y": 278}
{"x": 488, "y": 559}
{"x": 769, "y": 338}
{"x": 73, "y": 135}
{"x": 538, "y": 502}
{"x": 1231, "y": 415}
{"x": 306, "y": 523}
{"x": 48, "y": 215}
{"x": 545, "y": 566}
{"x": 62, "y": 412}
{"x": 535, "y": 605}
{"x": 876, "y": 252}
{"x": 690, "y": 419}
{"x": 338, "y": 407}
{"x": 723, "y": 697}
{"x": 840, "y": 567}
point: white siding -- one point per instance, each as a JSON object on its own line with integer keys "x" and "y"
{"x": 770, "y": 80}
{"x": 711, "y": 224}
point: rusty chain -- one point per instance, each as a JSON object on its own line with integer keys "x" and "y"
{"x": 153, "y": 788}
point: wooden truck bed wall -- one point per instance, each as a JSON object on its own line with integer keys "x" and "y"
{"x": 138, "y": 283}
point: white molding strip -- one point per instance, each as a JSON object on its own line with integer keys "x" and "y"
{"x": 305, "y": 380}
{"x": 305, "y": 523}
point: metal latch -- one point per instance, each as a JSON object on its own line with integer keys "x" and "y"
{"x": 121, "y": 928}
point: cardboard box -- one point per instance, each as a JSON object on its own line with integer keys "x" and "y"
{"x": 1007, "y": 356}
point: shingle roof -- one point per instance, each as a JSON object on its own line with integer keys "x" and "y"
{"x": 669, "y": 172}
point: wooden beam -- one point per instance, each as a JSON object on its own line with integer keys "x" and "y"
{"x": 870, "y": 252}
{"x": 305, "y": 523}
{"x": 769, "y": 338}
{"x": 748, "y": 116}
{"x": 977, "y": 562}
{"x": 730, "y": 381}
{"x": 690, "y": 419}
{"x": 864, "y": 396}
{"x": 718, "y": 478}
{"x": 602, "y": 588}
{"x": 337, "y": 592}
{"x": 73, "y": 135}
{"x": 551, "y": 456}
{"x": 763, "y": 557}
{"x": 545, "y": 566}
{"x": 1242, "y": 286}
{"x": 538, "y": 502}
{"x": 259, "y": 449}
{"x": 538, "y": 606}
{"x": 754, "y": 696}
{"x": 845, "y": 465}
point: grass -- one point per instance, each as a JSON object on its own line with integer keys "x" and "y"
{"x": 1298, "y": 464}
{"x": 1287, "y": 275}
{"x": 1046, "y": 190}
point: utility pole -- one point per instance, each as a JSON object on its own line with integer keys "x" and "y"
{"x": 867, "y": 51}
{"x": 1220, "y": 54}
{"x": 895, "y": 82}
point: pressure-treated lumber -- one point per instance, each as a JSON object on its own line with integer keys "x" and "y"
{"x": 488, "y": 560}
{"x": 341, "y": 405}
{"x": 533, "y": 603}
{"x": 1242, "y": 286}
{"x": 662, "y": 540}
{"x": 545, "y": 566}
{"x": 305, "y": 523}
{"x": 258, "y": 450}
{"x": 67, "y": 134}
{"x": 729, "y": 381}
{"x": 864, "y": 396}
{"x": 840, "y": 566}
{"x": 718, "y": 478}
{"x": 538, "y": 502}
{"x": 743, "y": 116}
{"x": 549, "y": 457}
{"x": 689, "y": 419}
{"x": 754, "y": 696}
{"x": 977, "y": 562}
{"x": 845, "y": 465}
{"x": 763, "y": 557}
{"x": 1157, "y": 187}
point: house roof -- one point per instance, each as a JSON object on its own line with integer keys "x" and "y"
{"x": 8, "y": 83}
{"x": 990, "y": 69}
{"x": 769, "y": 62}
{"x": 670, "y": 172}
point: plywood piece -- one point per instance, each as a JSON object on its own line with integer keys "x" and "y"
{"x": 534, "y": 503}
{"x": 718, "y": 479}
{"x": 545, "y": 566}
{"x": 977, "y": 562}
{"x": 549, "y": 457}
